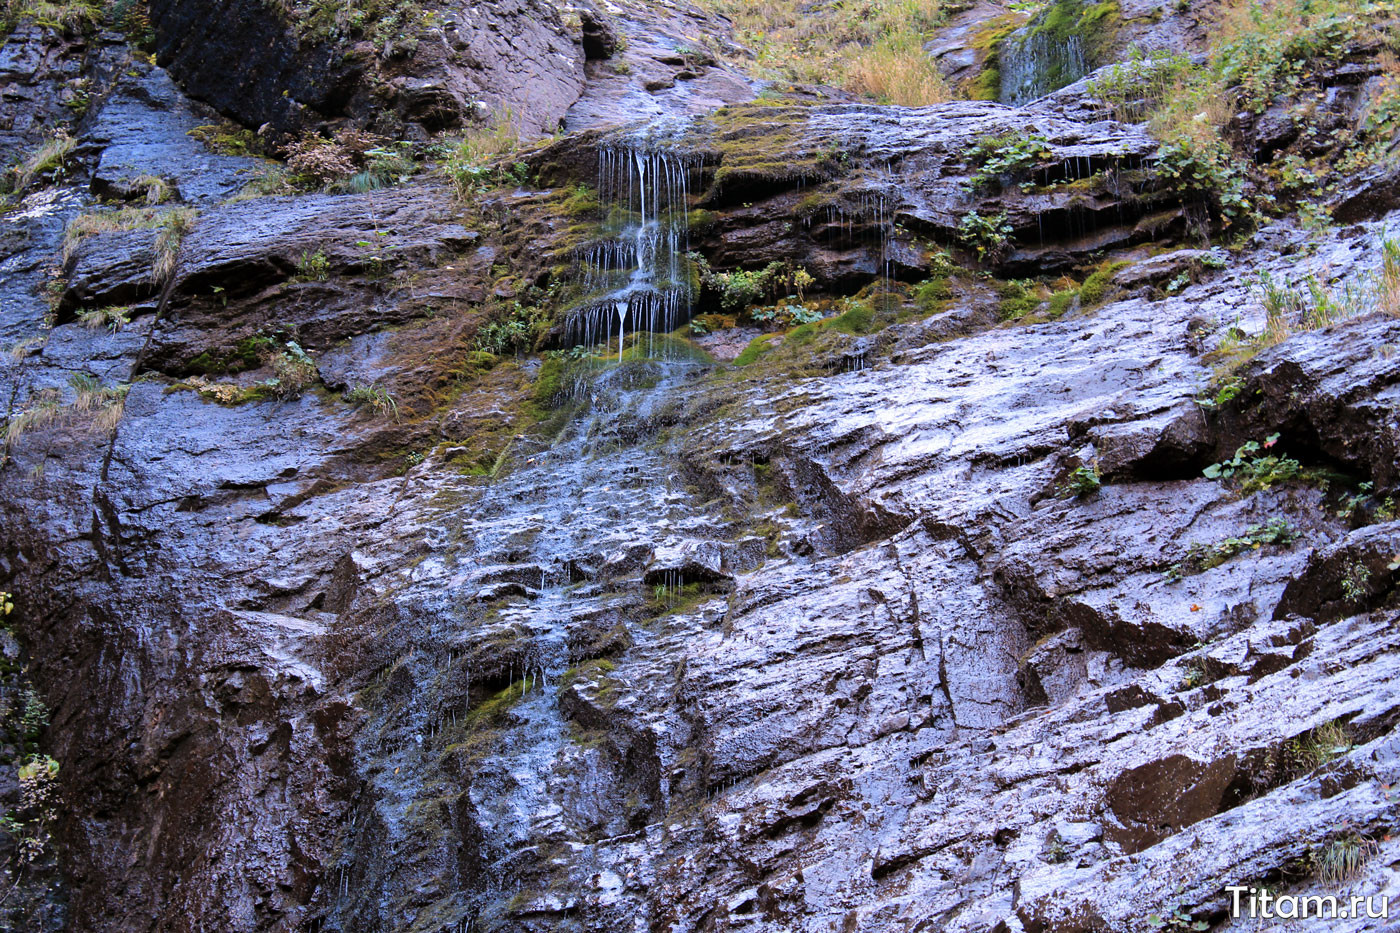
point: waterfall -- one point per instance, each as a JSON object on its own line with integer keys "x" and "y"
{"x": 640, "y": 271}
{"x": 1033, "y": 64}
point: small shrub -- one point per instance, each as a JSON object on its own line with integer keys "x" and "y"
{"x": 1356, "y": 582}
{"x": 1255, "y": 473}
{"x": 1084, "y": 480}
{"x": 293, "y": 372}
{"x": 318, "y": 162}
{"x": 376, "y": 398}
{"x": 313, "y": 266}
{"x": 989, "y": 236}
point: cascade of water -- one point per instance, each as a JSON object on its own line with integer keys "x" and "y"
{"x": 640, "y": 273}
{"x": 1033, "y": 64}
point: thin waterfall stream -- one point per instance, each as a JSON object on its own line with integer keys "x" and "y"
{"x": 638, "y": 274}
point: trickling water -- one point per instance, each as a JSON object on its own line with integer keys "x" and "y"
{"x": 1034, "y": 64}
{"x": 642, "y": 269}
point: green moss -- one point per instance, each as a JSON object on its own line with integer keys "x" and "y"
{"x": 1060, "y": 302}
{"x": 1017, "y": 300}
{"x": 930, "y": 295}
{"x": 492, "y": 713}
{"x": 1095, "y": 287}
{"x": 987, "y": 84}
{"x": 582, "y": 202}
{"x": 549, "y": 383}
{"x": 1094, "y": 26}
{"x": 857, "y": 319}
{"x": 757, "y": 347}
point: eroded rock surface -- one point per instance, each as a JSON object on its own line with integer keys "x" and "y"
{"x": 942, "y": 629}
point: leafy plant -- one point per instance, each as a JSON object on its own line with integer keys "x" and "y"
{"x": 1085, "y": 480}
{"x": 1177, "y": 920}
{"x": 1007, "y": 157}
{"x": 1255, "y": 473}
{"x": 512, "y": 331}
{"x": 1202, "y": 557}
{"x": 1356, "y": 582}
{"x": 314, "y": 266}
{"x": 989, "y": 236}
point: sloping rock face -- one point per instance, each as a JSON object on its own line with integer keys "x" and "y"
{"x": 525, "y": 63}
{"x": 943, "y": 629}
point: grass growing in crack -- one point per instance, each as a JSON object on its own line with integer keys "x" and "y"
{"x": 1344, "y": 858}
{"x": 112, "y": 317}
{"x": 49, "y": 161}
{"x": 172, "y": 226}
{"x": 1314, "y": 748}
{"x": 1202, "y": 557}
{"x": 376, "y": 398}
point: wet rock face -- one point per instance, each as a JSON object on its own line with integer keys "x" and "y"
{"x": 815, "y": 186}
{"x": 514, "y": 57}
{"x": 949, "y": 631}
{"x": 520, "y": 62}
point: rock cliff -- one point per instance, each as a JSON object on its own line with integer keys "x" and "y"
{"x": 731, "y": 507}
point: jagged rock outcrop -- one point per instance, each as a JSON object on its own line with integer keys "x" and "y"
{"x": 350, "y": 618}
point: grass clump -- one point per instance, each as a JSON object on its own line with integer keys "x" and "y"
{"x": 112, "y": 317}
{"x": 49, "y": 163}
{"x": 374, "y": 397}
{"x": 1202, "y": 557}
{"x": 172, "y": 225}
{"x": 874, "y": 49}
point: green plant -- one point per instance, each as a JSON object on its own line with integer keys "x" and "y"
{"x": 112, "y": 317}
{"x": 1227, "y": 391}
{"x": 1255, "y": 473}
{"x": 1356, "y": 582}
{"x": 477, "y": 162}
{"x": 1007, "y": 157}
{"x": 1134, "y": 89}
{"x": 742, "y": 288}
{"x": 1193, "y": 674}
{"x": 1177, "y": 920}
{"x": 1202, "y": 557}
{"x": 1084, "y": 480}
{"x": 313, "y": 266}
{"x": 989, "y": 236}
{"x": 511, "y": 331}
{"x": 376, "y": 398}
{"x": 1208, "y": 171}
{"x": 293, "y": 371}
